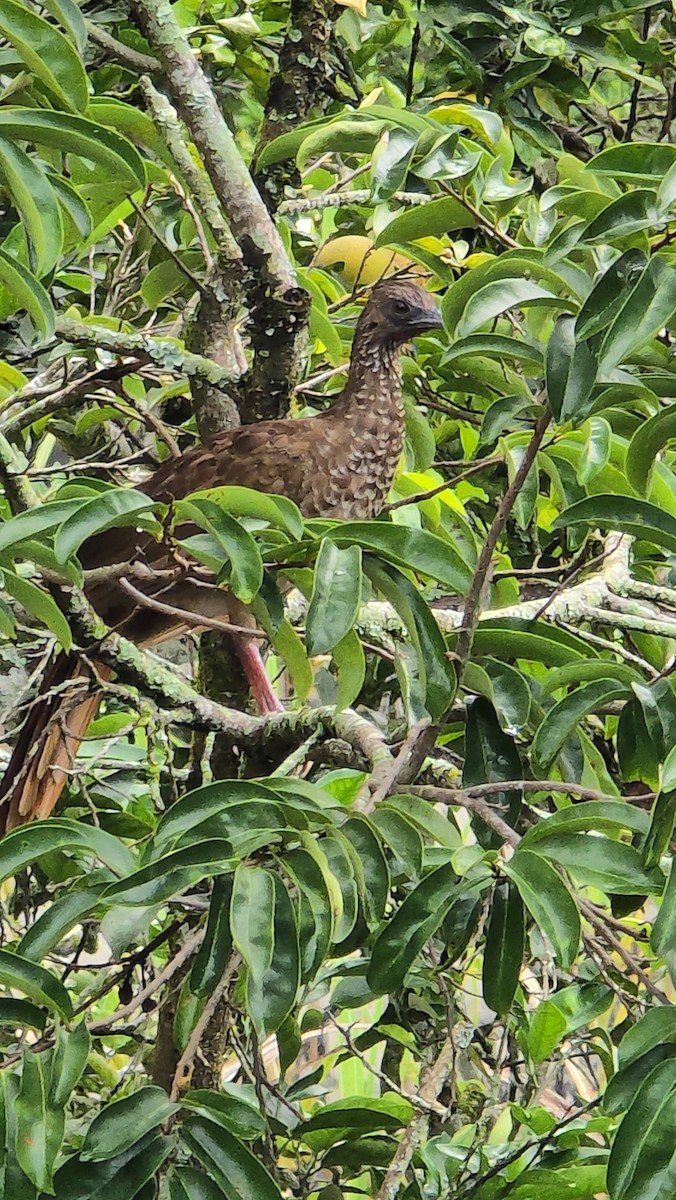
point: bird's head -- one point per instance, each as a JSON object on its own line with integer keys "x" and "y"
{"x": 396, "y": 311}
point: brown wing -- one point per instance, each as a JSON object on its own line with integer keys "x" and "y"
{"x": 269, "y": 456}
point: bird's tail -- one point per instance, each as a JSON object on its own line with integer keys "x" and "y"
{"x": 49, "y": 741}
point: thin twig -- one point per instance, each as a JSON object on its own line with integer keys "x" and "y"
{"x": 476, "y": 595}
{"x": 185, "y": 1062}
{"x": 190, "y": 945}
{"x": 432, "y": 1081}
{"x": 194, "y": 619}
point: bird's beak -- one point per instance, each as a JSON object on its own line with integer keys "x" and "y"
{"x": 426, "y": 320}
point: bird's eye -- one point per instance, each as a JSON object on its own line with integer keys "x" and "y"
{"x": 402, "y": 306}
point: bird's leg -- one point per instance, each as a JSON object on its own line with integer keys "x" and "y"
{"x": 251, "y": 659}
{"x": 253, "y": 666}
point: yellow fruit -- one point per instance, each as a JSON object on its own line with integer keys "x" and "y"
{"x": 361, "y": 264}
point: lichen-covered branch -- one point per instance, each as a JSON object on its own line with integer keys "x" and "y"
{"x": 252, "y": 227}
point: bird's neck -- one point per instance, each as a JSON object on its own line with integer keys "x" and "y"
{"x": 374, "y": 379}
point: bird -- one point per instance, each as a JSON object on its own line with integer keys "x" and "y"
{"x": 338, "y": 464}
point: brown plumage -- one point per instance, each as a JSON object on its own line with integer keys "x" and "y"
{"x": 339, "y": 464}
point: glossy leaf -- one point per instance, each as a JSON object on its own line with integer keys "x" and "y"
{"x": 212, "y": 956}
{"x": 416, "y": 920}
{"x": 417, "y": 549}
{"x": 636, "y": 517}
{"x": 27, "y": 293}
{"x": 336, "y": 594}
{"x": 47, "y": 53}
{"x": 76, "y": 135}
{"x": 503, "y": 952}
{"x": 646, "y": 309}
{"x": 40, "y": 1122}
{"x": 427, "y": 220}
{"x": 40, "y": 604}
{"x": 36, "y": 202}
{"x": 35, "y": 982}
{"x": 548, "y": 900}
{"x": 650, "y": 437}
{"x": 600, "y": 862}
{"x": 564, "y": 717}
{"x": 124, "y": 1122}
{"x": 642, "y": 1154}
{"x": 230, "y": 1164}
{"x": 119, "y": 506}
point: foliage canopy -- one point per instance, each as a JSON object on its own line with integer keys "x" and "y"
{"x": 416, "y": 936}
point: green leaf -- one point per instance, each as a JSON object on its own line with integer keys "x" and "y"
{"x": 23, "y": 1014}
{"x": 350, "y": 663}
{"x": 354, "y": 1115}
{"x": 64, "y": 912}
{"x": 641, "y": 1162}
{"x": 264, "y": 931}
{"x": 633, "y": 163}
{"x": 212, "y": 956}
{"x": 495, "y": 344}
{"x": 570, "y": 372}
{"x": 35, "y": 982}
{"x": 402, "y": 836}
{"x": 642, "y": 520}
{"x": 648, "y": 307}
{"x": 390, "y": 162}
{"x": 340, "y": 873}
{"x": 34, "y": 198}
{"x": 663, "y": 936}
{"x": 46, "y": 52}
{"x": 235, "y": 1106}
{"x": 600, "y": 862}
{"x": 544, "y": 1031}
{"x": 209, "y": 802}
{"x": 503, "y": 952}
{"x": 436, "y": 673}
{"x": 69, "y": 134}
{"x": 375, "y": 874}
{"x": 38, "y": 602}
{"x": 39, "y": 1123}
{"x": 336, "y": 595}
{"x": 656, "y": 1027}
{"x": 650, "y": 437}
{"x": 416, "y": 549}
{"x": 491, "y": 755}
{"x": 236, "y": 543}
{"x": 69, "y": 16}
{"x": 515, "y": 637}
{"x": 35, "y": 521}
{"x": 28, "y": 293}
{"x": 600, "y": 815}
{"x": 121, "y": 1177}
{"x": 433, "y": 219}
{"x": 187, "y": 1183}
{"x": 661, "y": 828}
{"x": 228, "y": 1162}
{"x": 174, "y": 873}
{"x": 121, "y": 1124}
{"x": 69, "y": 1060}
{"x": 23, "y": 846}
{"x": 562, "y": 720}
{"x": 513, "y": 264}
{"x": 497, "y": 297}
{"x": 596, "y": 453}
{"x": 315, "y": 908}
{"x": 416, "y": 920}
{"x": 119, "y": 506}
{"x": 636, "y": 210}
{"x": 608, "y": 294}
{"x": 548, "y": 900}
